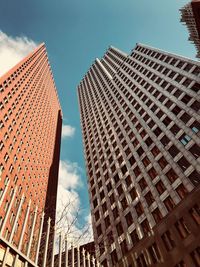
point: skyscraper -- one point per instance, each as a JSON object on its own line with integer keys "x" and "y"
{"x": 191, "y": 17}
{"x": 30, "y": 130}
{"x": 140, "y": 125}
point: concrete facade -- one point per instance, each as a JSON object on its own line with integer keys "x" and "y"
{"x": 141, "y": 133}
{"x": 190, "y": 16}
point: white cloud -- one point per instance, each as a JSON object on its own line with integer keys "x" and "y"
{"x": 12, "y": 50}
{"x": 69, "y": 208}
{"x": 67, "y": 131}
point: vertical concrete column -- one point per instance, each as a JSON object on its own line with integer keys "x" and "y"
{"x": 8, "y": 212}
{"x": 72, "y": 249}
{"x": 46, "y": 243}
{"x": 32, "y": 231}
{"x": 60, "y": 250}
{"x": 78, "y": 256}
{"x": 66, "y": 252}
{"x": 83, "y": 253}
{"x": 4, "y": 192}
{"x": 39, "y": 239}
{"x": 53, "y": 246}
{"x": 22, "y": 233}
{"x": 16, "y": 218}
{"x": 93, "y": 261}
{"x": 88, "y": 259}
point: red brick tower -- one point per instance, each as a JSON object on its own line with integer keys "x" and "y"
{"x": 30, "y": 134}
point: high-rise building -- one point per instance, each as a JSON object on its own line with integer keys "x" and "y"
{"x": 141, "y": 131}
{"x": 30, "y": 131}
{"x": 190, "y": 15}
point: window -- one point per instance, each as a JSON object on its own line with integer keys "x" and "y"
{"x": 142, "y": 184}
{"x": 183, "y": 163}
{"x": 124, "y": 247}
{"x": 169, "y": 203}
{"x": 195, "y": 87}
{"x": 127, "y": 151}
{"x": 168, "y": 241}
{"x": 139, "y": 209}
{"x": 195, "y": 105}
{"x": 160, "y": 187}
{"x": 124, "y": 203}
{"x": 149, "y": 198}
{"x": 99, "y": 231}
{"x": 104, "y": 207}
{"x": 174, "y": 129}
{"x": 119, "y": 228}
{"x": 185, "y": 139}
{"x": 102, "y": 195}
{"x": 195, "y": 255}
{"x": 112, "y": 199}
{"x": 132, "y": 160}
{"x": 181, "y": 264}
{"x": 155, "y": 151}
{"x": 115, "y": 213}
{"x": 182, "y": 228}
{"x": 95, "y": 203}
{"x": 194, "y": 177}
{"x": 195, "y": 151}
{"x": 162, "y": 162}
{"x": 154, "y": 253}
{"x": 107, "y": 221}
{"x": 124, "y": 169}
{"x": 157, "y": 215}
{"x": 134, "y": 237}
{"x": 176, "y": 110}
{"x": 116, "y": 178}
{"x": 128, "y": 181}
{"x": 146, "y": 161}
{"x": 109, "y": 187}
{"x": 141, "y": 261}
{"x": 140, "y": 151}
{"x": 101, "y": 248}
{"x": 173, "y": 151}
{"x": 145, "y": 227}
{"x": 182, "y": 191}
{"x": 195, "y": 127}
{"x": 185, "y": 117}
{"x": 114, "y": 257}
{"x": 171, "y": 175}
{"x": 129, "y": 219}
{"x": 97, "y": 215}
{"x": 137, "y": 171}
{"x": 186, "y": 98}
{"x": 195, "y": 214}
{"x": 165, "y": 140}
{"x": 133, "y": 193}
{"x": 148, "y": 141}
{"x": 152, "y": 173}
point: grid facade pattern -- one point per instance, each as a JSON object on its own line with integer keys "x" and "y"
{"x": 30, "y": 111}
{"x": 140, "y": 125}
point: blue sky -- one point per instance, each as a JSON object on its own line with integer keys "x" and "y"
{"x": 76, "y": 32}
